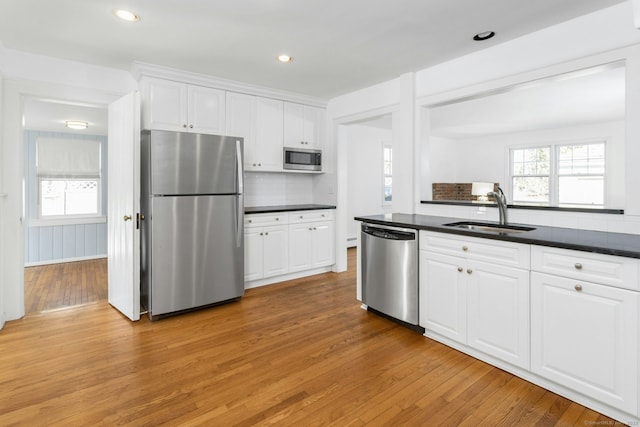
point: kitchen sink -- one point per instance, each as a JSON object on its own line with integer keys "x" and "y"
{"x": 487, "y": 226}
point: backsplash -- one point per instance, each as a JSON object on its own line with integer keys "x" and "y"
{"x": 270, "y": 189}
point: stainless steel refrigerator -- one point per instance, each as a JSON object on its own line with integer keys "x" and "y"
{"x": 192, "y": 229}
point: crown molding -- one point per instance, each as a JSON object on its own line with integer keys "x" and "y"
{"x": 140, "y": 70}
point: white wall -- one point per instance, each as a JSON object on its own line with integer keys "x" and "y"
{"x": 364, "y": 174}
{"x": 555, "y": 50}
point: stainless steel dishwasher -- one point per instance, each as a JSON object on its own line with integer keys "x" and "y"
{"x": 389, "y": 263}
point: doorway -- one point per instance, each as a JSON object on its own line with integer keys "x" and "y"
{"x": 369, "y": 170}
{"x": 65, "y": 204}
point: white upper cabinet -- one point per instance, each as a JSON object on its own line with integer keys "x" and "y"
{"x": 206, "y": 110}
{"x": 302, "y": 126}
{"x": 259, "y": 121}
{"x": 175, "y": 106}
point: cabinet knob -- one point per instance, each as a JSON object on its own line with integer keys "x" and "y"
{"x": 254, "y": 164}
{"x": 301, "y": 216}
{"x": 184, "y": 125}
{"x": 127, "y": 217}
{"x": 277, "y": 219}
{"x": 469, "y": 271}
{"x": 261, "y": 234}
{"x": 310, "y": 229}
{"x": 322, "y": 215}
{"x": 578, "y": 266}
{"x": 266, "y": 234}
{"x": 314, "y": 228}
{"x": 259, "y": 164}
{"x": 190, "y": 126}
{"x": 250, "y": 221}
{"x": 460, "y": 269}
{"x": 578, "y": 288}
{"x": 465, "y": 248}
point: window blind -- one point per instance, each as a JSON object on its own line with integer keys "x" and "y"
{"x": 67, "y": 158}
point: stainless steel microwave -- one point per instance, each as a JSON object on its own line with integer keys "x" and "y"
{"x": 302, "y": 159}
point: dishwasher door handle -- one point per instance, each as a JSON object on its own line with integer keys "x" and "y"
{"x": 388, "y": 233}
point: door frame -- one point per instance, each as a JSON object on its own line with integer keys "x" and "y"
{"x": 12, "y": 228}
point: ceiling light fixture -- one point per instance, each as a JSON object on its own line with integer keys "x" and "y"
{"x": 485, "y": 35}
{"x": 126, "y": 15}
{"x": 76, "y": 124}
{"x": 284, "y": 58}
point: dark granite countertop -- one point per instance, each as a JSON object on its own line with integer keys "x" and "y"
{"x": 530, "y": 207}
{"x": 284, "y": 208}
{"x": 627, "y": 245}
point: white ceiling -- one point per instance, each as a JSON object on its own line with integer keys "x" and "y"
{"x": 50, "y": 115}
{"x": 588, "y": 96}
{"x": 338, "y": 46}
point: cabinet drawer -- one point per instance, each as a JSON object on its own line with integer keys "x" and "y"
{"x": 309, "y": 216}
{"x": 507, "y": 254}
{"x": 610, "y": 270}
{"x": 259, "y": 220}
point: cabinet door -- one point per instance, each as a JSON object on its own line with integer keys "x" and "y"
{"x": 267, "y": 155}
{"x": 302, "y": 125}
{"x": 240, "y": 121}
{"x": 585, "y": 337}
{"x": 253, "y": 251}
{"x": 275, "y": 253}
{"x": 322, "y": 244}
{"x": 165, "y": 105}
{"x": 300, "y": 247}
{"x": 443, "y": 307}
{"x": 312, "y": 126}
{"x": 498, "y": 311}
{"x": 206, "y": 110}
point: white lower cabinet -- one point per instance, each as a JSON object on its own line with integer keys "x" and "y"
{"x": 584, "y": 336}
{"x": 311, "y": 245}
{"x": 482, "y": 305}
{"x": 279, "y": 246}
{"x": 265, "y": 252}
{"x": 564, "y": 319}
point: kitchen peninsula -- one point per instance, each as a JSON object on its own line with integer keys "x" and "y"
{"x": 556, "y": 306}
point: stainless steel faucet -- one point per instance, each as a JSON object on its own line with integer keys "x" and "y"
{"x": 501, "y": 200}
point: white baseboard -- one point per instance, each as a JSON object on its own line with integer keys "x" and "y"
{"x": 60, "y": 261}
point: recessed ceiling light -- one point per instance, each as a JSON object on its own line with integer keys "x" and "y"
{"x": 126, "y": 15}
{"x": 76, "y": 124}
{"x": 485, "y": 35}
{"x": 284, "y": 58}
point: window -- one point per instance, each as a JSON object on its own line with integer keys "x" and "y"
{"x": 387, "y": 168}
{"x": 559, "y": 175}
{"x": 68, "y": 173}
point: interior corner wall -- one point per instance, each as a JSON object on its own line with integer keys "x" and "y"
{"x": 364, "y": 174}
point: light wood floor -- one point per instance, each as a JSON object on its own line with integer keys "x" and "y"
{"x": 56, "y": 286}
{"x": 298, "y": 353}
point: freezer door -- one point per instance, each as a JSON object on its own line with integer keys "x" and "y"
{"x": 196, "y": 255}
{"x": 189, "y": 163}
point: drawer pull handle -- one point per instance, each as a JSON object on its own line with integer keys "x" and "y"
{"x": 460, "y": 269}
{"x": 578, "y": 287}
{"x": 578, "y": 266}
{"x": 465, "y": 248}
{"x": 469, "y": 271}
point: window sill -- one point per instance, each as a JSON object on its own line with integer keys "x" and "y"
{"x": 67, "y": 221}
{"x": 531, "y": 207}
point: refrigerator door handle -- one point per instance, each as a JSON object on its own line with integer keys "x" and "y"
{"x": 239, "y": 167}
{"x": 239, "y": 220}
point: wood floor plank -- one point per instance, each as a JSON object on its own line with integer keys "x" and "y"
{"x": 300, "y": 352}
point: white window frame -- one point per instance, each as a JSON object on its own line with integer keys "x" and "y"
{"x": 44, "y": 218}
{"x": 554, "y": 166}
{"x": 387, "y": 145}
